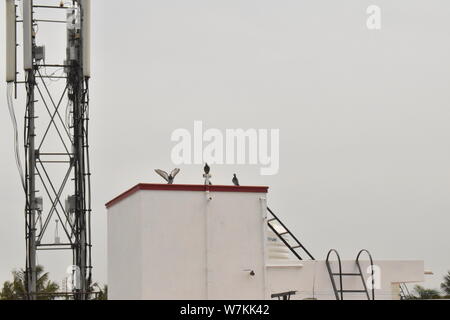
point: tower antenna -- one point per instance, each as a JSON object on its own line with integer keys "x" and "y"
{"x": 57, "y": 171}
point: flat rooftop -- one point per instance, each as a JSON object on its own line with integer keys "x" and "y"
{"x": 185, "y": 187}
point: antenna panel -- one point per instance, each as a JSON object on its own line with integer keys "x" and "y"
{"x": 27, "y": 34}
{"x": 86, "y": 38}
{"x": 10, "y": 41}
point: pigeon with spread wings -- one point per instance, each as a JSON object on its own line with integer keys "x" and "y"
{"x": 168, "y": 177}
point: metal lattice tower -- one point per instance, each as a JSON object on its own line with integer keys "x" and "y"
{"x": 57, "y": 172}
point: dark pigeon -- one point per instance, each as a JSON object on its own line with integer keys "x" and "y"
{"x": 235, "y": 180}
{"x": 206, "y": 175}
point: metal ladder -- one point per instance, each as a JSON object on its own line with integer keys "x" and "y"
{"x": 339, "y": 292}
{"x": 284, "y": 234}
{"x": 405, "y": 294}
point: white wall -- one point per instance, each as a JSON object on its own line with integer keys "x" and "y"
{"x": 236, "y": 244}
{"x": 311, "y": 279}
{"x": 173, "y": 244}
{"x": 184, "y": 246}
{"x": 193, "y": 245}
{"x": 125, "y": 250}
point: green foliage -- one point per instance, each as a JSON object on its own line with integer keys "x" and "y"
{"x": 421, "y": 293}
{"x": 445, "y": 286}
{"x": 99, "y": 292}
{"x": 16, "y": 290}
{"x": 46, "y": 289}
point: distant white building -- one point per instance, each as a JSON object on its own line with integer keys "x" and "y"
{"x": 213, "y": 242}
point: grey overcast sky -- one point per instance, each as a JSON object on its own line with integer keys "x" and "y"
{"x": 363, "y": 116}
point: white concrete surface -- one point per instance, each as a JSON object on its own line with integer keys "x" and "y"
{"x": 312, "y": 281}
{"x": 181, "y": 245}
{"x": 125, "y": 249}
{"x": 185, "y": 244}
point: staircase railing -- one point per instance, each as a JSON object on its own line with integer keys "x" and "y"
{"x": 280, "y": 235}
{"x": 371, "y": 271}
{"x": 338, "y": 293}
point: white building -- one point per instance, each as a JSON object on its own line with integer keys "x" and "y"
{"x": 198, "y": 242}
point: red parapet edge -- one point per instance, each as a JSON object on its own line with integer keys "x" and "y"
{"x": 185, "y": 187}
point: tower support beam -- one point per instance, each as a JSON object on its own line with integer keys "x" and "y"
{"x": 63, "y": 141}
{"x": 31, "y": 273}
